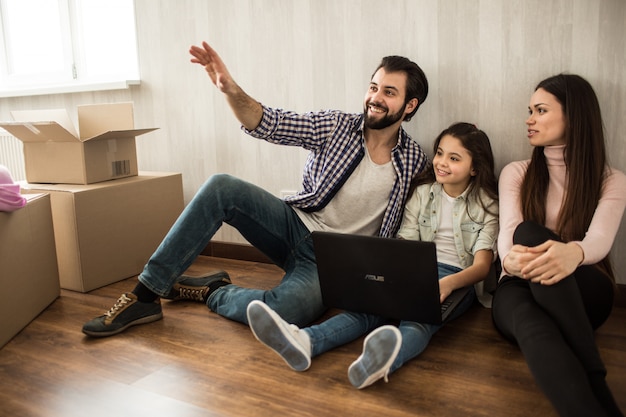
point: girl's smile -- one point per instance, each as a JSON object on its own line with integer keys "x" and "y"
{"x": 453, "y": 167}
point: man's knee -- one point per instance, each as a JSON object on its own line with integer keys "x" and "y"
{"x": 220, "y": 188}
{"x": 218, "y": 182}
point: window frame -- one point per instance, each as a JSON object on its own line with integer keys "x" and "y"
{"x": 73, "y": 77}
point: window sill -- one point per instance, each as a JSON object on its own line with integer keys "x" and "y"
{"x": 68, "y": 88}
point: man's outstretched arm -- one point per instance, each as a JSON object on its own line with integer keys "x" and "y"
{"x": 247, "y": 110}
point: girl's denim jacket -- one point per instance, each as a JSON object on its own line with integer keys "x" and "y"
{"x": 474, "y": 229}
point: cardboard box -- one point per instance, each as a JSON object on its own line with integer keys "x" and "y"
{"x": 106, "y": 232}
{"x": 55, "y": 153}
{"x": 29, "y": 277}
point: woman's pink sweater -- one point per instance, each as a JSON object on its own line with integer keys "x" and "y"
{"x": 604, "y": 225}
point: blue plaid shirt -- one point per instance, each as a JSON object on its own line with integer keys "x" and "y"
{"x": 335, "y": 140}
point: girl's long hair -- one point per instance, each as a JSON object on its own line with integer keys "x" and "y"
{"x": 476, "y": 142}
{"x": 585, "y": 162}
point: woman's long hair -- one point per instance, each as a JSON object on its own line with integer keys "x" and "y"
{"x": 476, "y": 142}
{"x": 585, "y": 162}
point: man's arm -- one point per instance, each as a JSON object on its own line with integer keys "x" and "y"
{"x": 247, "y": 110}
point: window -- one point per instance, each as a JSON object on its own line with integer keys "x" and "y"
{"x": 66, "y": 45}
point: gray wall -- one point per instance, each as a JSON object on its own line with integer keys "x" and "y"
{"x": 483, "y": 59}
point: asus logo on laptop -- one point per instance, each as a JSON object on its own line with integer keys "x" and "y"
{"x": 372, "y": 277}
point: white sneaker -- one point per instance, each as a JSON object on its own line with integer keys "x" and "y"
{"x": 380, "y": 349}
{"x": 292, "y": 344}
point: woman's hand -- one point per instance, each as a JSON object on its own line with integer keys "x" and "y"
{"x": 553, "y": 261}
{"x": 517, "y": 259}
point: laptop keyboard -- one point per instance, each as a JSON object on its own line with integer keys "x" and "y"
{"x": 445, "y": 305}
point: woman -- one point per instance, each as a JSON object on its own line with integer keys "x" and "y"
{"x": 559, "y": 214}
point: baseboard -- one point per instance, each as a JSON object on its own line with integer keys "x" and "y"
{"x": 245, "y": 252}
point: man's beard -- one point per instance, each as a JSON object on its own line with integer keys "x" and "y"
{"x": 385, "y": 122}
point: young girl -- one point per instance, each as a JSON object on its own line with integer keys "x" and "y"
{"x": 453, "y": 204}
{"x": 560, "y": 214}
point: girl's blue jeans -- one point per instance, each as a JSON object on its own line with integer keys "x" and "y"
{"x": 266, "y": 222}
{"x": 346, "y": 327}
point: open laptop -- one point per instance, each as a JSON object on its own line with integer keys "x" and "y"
{"x": 393, "y": 278}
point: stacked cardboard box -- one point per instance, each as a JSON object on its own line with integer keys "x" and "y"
{"x": 108, "y": 216}
{"x": 29, "y": 277}
{"x": 106, "y": 232}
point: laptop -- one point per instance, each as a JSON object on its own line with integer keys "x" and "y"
{"x": 393, "y": 278}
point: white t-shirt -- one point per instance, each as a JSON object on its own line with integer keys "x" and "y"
{"x": 444, "y": 239}
{"x": 359, "y": 205}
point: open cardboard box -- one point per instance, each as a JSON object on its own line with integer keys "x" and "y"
{"x": 54, "y": 152}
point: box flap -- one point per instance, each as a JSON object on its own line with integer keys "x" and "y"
{"x": 32, "y": 197}
{"x": 55, "y": 115}
{"x": 119, "y": 134}
{"x": 38, "y": 131}
{"x": 94, "y": 119}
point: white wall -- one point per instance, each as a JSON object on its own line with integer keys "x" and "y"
{"x": 482, "y": 58}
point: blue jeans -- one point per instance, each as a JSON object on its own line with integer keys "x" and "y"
{"x": 268, "y": 223}
{"x": 346, "y": 327}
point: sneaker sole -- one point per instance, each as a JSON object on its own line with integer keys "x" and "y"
{"x": 143, "y": 320}
{"x": 262, "y": 323}
{"x": 358, "y": 375}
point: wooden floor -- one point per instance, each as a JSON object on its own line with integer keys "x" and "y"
{"x": 195, "y": 363}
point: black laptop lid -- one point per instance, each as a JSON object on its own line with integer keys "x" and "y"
{"x": 393, "y": 278}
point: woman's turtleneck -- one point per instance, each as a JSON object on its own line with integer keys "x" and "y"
{"x": 555, "y": 155}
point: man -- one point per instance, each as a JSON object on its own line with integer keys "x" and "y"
{"x": 356, "y": 180}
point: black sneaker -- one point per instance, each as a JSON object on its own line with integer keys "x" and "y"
{"x": 196, "y": 288}
{"x": 126, "y": 312}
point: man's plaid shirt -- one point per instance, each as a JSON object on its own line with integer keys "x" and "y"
{"x": 335, "y": 140}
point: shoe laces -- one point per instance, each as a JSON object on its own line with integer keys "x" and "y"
{"x": 187, "y": 293}
{"x": 303, "y": 339}
{"x": 386, "y": 375}
{"x": 119, "y": 304}
{"x": 294, "y": 330}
